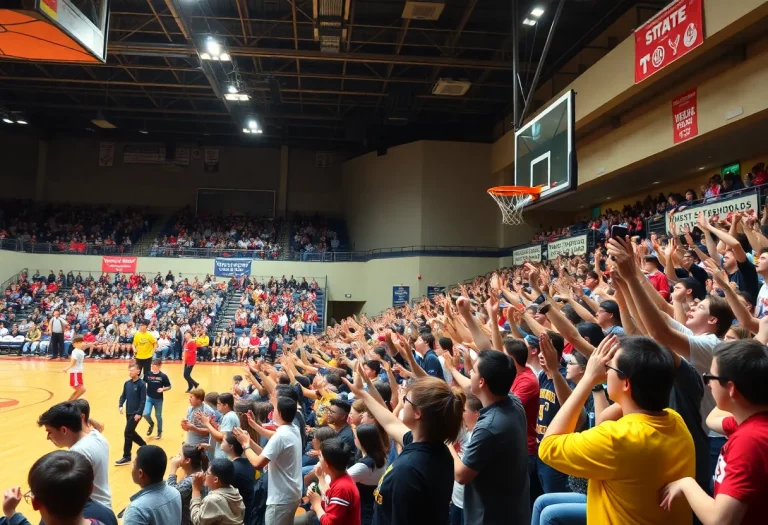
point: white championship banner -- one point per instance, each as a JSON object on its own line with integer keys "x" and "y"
{"x": 527, "y": 254}
{"x": 570, "y": 246}
{"x": 722, "y": 208}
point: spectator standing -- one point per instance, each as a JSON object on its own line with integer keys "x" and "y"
{"x": 229, "y": 420}
{"x": 615, "y": 455}
{"x": 156, "y": 503}
{"x": 190, "y": 358}
{"x": 340, "y": 500}
{"x": 737, "y": 379}
{"x": 283, "y": 455}
{"x": 494, "y": 468}
{"x": 64, "y": 425}
{"x": 60, "y": 485}
{"x": 191, "y": 460}
{"x": 197, "y": 434}
{"x": 134, "y": 397}
{"x": 223, "y": 505}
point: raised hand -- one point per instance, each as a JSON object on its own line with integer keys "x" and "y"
{"x": 595, "y": 372}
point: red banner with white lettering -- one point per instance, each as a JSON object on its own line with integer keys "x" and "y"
{"x": 118, "y": 263}
{"x": 685, "y": 116}
{"x": 672, "y": 33}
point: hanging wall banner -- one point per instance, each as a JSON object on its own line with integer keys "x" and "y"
{"x": 228, "y": 267}
{"x": 685, "y": 117}
{"x": 674, "y": 32}
{"x": 211, "y": 160}
{"x": 528, "y": 254}
{"x": 106, "y": 154}
{"x": 570, "y": 246}
{"x": 118, "y": 263}
{"x": 401, "y": 295}
{"x": 433, "y": 291}
{"x": 721, "y": 207}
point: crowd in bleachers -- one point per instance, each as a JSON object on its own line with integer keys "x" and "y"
{"x": 652, "y": 208}
{"x": 73, "y": 228}
{"x": 108, "y": 311}
{"x": 268, "y": 314}
{"x": 611, "y": 387}
{"x": 252, "y": 237}
{"x": 314, "y": 235}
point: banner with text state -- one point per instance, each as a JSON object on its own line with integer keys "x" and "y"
{"x": 721, "y": 207}
{"x": 569, "y": 246}
{"x": 528, "y": 254}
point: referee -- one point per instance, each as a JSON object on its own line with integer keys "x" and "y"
{"x": 56, "y": 328}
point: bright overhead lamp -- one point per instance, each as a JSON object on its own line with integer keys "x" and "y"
{"x": 232, "y": 88}
{"x": 237, "y": 97}
{"x": 22, "y": 122}
{"x": 143, "y": 131}
{"x": 259, "y": 131}
{"x": 537, "y": 11}
{"x": 214, "y": 51}
{"x": 7, "y": 120}
{"x": 252, "y": 124}
{"x": 529, "y": 22}
{"x": 246, "y": 130}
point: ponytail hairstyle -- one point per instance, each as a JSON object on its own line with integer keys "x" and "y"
{"x": 370, "y": 443}
{"x": 441, "y": 408}
{"x": 198, "y": 459}
{"x": 230, "y": 438}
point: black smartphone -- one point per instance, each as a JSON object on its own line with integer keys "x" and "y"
{"x": 619, "y": 232}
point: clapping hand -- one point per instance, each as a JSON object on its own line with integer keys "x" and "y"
{"x": 595, "y": 372}
{"x": 198, "y": 480}
{"x": 242, "y": 436}
{"x": 11, "y": 500}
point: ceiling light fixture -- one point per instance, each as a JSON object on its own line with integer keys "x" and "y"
{"x": 252, "y": 124}
{"x": 537, "y": 11}
{"x": 22, "y": 122}
{"x": 214, "y": 51}
{"x": 237, "y": 97}
{"x": 246, "y": 130}
{"x": 7, "y": 120}
{"x": 529, "y": 22}
{"x": 232, "y": 88}
{"x": 143, "y": 131}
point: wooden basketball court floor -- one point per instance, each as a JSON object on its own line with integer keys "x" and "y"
{"x": 28, "y": 387}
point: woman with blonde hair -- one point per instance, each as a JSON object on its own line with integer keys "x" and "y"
{"x": 417, "y": 487}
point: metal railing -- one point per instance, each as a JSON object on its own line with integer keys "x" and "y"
{"x": 13, "y": 279}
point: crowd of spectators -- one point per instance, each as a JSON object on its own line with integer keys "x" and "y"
{"x": 108, "y": 311}
{"x": 251, "y": 237}
{"x": 73, "y": 228}
{"x": 269, "y": 313}
{"x": 314, "y": 235}
{"x": 613, "y": 387}
{"x": 634, "y": 217}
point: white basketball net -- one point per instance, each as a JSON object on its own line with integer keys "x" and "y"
{"x": 511, "y": 207}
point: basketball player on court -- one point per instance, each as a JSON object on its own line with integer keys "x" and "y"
{"x": 75, "y": 367}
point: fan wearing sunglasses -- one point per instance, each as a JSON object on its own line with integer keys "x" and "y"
{"x": 615, "y": 455}
{"x": 60, "y": 485}
{"x": 737, "y": 378}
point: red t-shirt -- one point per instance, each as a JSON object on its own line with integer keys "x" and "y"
{"x": 742, "y": 468}
{"x": 526, "y": 387}
{"x": 190, "y": 352}
{"x": 341, "y": 502}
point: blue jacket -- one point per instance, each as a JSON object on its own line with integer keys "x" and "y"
{"x": 156, "y": 504}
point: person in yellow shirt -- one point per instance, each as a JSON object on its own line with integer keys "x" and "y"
{"x": 630, "y": 460}
{"x": 203, "y": 346}
{"x": 144, "y": 346}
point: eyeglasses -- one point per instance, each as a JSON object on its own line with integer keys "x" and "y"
{"x": 28, "y": 497}
{"x": 405, "y": 398}
{"x": 707, "y": 377}
{"x": 619, "y": 372}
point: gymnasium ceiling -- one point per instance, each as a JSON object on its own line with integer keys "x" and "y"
{"x": 374, "y": 91}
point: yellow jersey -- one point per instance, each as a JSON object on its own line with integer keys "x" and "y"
{"x": 144, "y": 343}
{"x": 203, "y": 340}
{"x": 627, "y": 463}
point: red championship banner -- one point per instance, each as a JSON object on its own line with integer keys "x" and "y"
{"x": 685, "y": 116}
{"x": 673, "y": 32}
{"x": 118, "y": 263}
